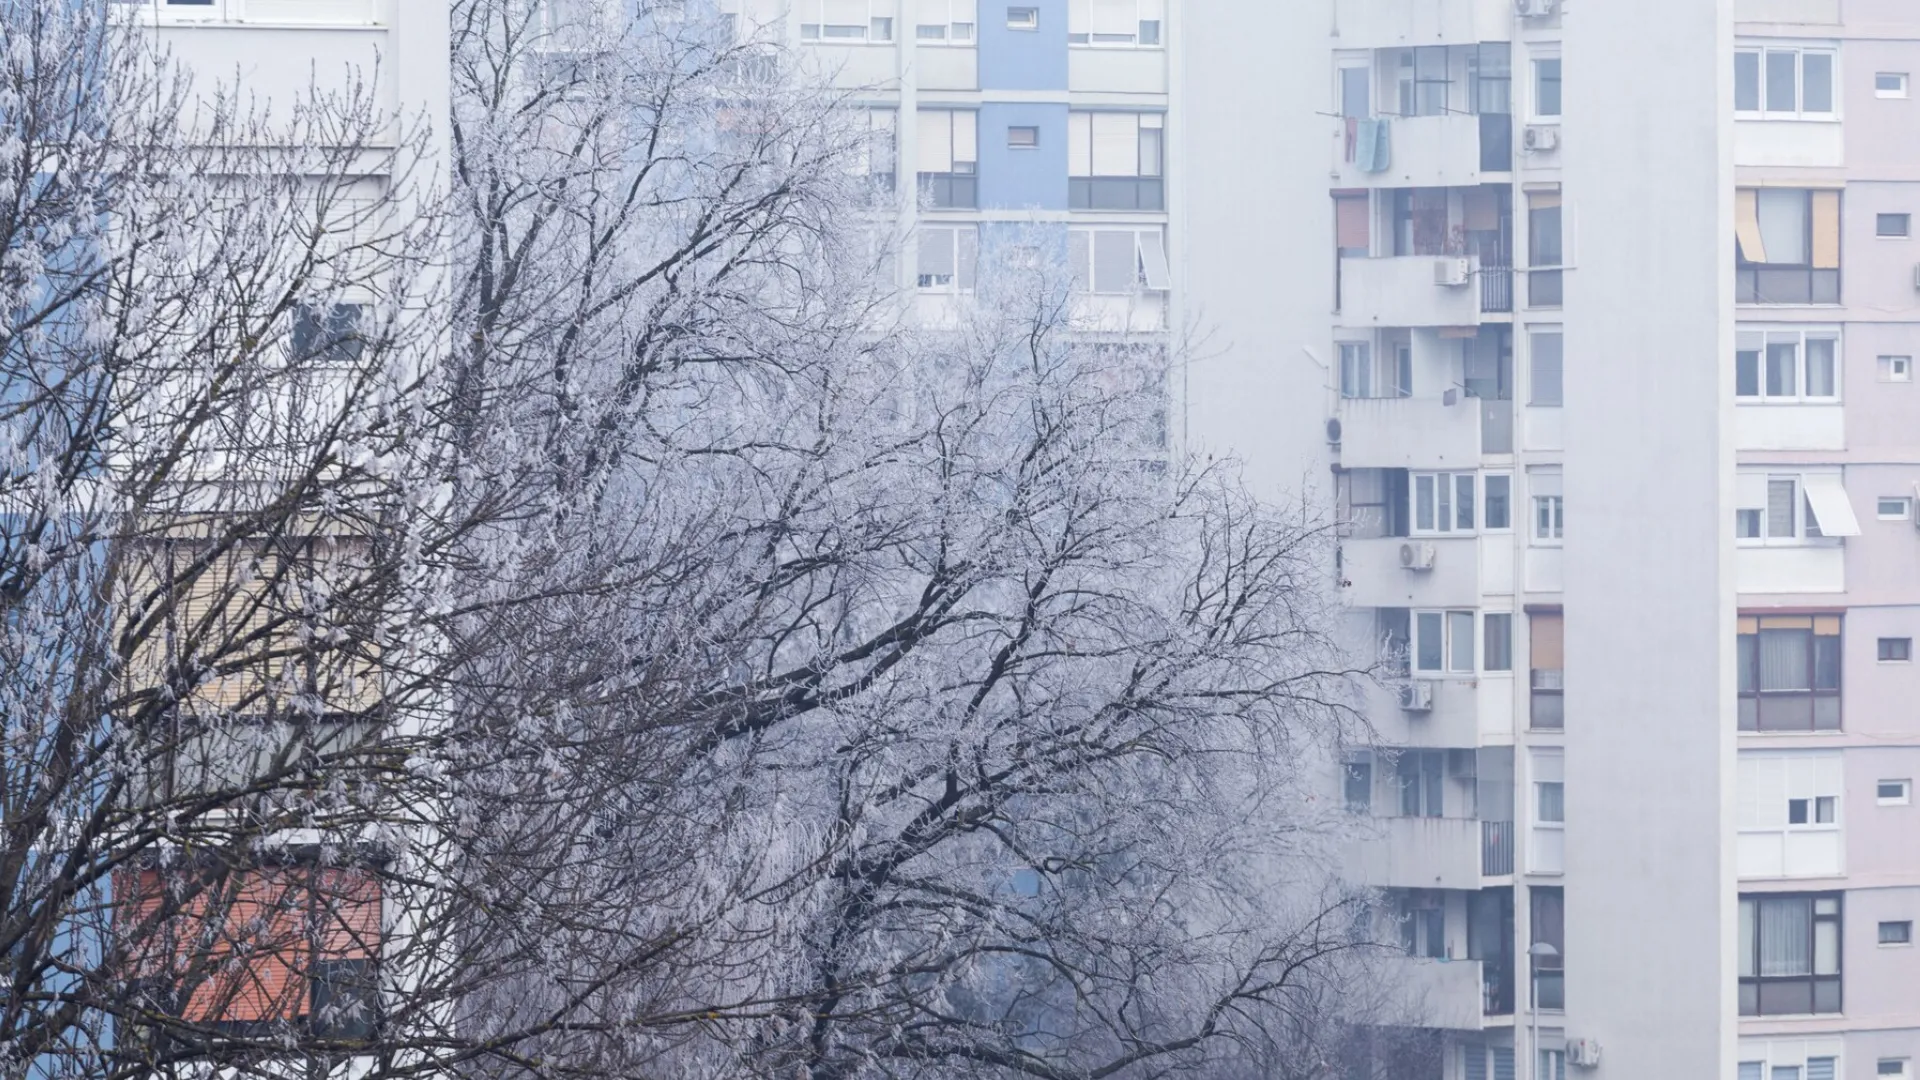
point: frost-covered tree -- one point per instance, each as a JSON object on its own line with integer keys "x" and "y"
{"x": 588, "y": 625}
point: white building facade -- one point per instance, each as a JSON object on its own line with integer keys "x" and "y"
{"x": 1642, "y": 799}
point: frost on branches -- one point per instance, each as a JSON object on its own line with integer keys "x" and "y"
{"x": 565, "y": 615}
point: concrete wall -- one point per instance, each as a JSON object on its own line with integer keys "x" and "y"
{"x": 1650, "y": 744}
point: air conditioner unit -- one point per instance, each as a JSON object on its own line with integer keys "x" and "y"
{"x": 1417, "y": 696}
{"x": 1583, "y": 1052}
{"x": 1333, "y": 431}
{"x": 1536, "y": 9}
{"x": 1541, "y": 137}
{"x": 1916, "y": 275}
{"x": 1451, "y": 272}
{"x": 1416, "y": 555}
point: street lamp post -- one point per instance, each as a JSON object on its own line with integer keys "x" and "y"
{"x": 1539, "y": 951}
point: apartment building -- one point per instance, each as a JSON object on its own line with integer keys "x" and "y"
{"x": 291, "y": 938}
{"x": 1641, "y": 799}
{"x": 1041, "y": 126}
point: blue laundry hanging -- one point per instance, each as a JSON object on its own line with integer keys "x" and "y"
{"x": 1375, "y": 152}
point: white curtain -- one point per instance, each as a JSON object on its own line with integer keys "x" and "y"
{"x": 1786, "y": 936}
{"x": 1784, "y": 659}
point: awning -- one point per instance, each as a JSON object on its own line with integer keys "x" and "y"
{"x": 1830, "y": 506}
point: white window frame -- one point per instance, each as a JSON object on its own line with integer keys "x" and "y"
{"x": 1444, "y": 490}
{"x": 1769, "y": 335}
{"x": 1790, "y": 1052}
{"x": 1800, "y": 52}
{"x": 1084, "y": 32}
{"x": 1450, "y": 620}
{"x": 1904, "y": 798}
{"x": 947, "y": 22}
{"x": 1902, "y": 512}
{"x": 1513, "y": 504}
{"x": 1907, "y": 944}
{"x": 878, "y": 12}
{"x": 1151, "y": 271}
{"x": 1549, "y": 520}
{"x": 1890, "y": 92}
{"x": 1024, "y": 18}
{"x": 1892, "y": 368}
{"x": 1806, "y": 527}
{"x": 1811, "y": 778}
{"x": 1534, "y": 114}
{"x": 1030, "y": 144}
{"x": 1906, "y": 218}
{"x": 1878, "y": 659}
{"x": 963, "y": 242}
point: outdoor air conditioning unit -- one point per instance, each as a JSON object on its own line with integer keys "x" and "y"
{"x": 1539, "y": 138}
{"x": 1333, "y": 431}
{"x": 1417, "y": 696}
{"x": 1416, "y": 555}
{"x": 1916, "y": 275}
{"x": 1450, "y": 272}
{"x": 1536, "y": 9}
{"x": 1583, "y": 1052}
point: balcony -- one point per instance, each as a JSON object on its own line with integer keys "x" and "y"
{"x": 1372, "y": 576}
{"x": 1448, "y": 994}
{"x": 1377, "y": 24}
{"x": 1409, "y": 290}
{"x": 1410, "y": 433}
{"x": 1451, "y": 150}
{"x": 1430, "y": 853}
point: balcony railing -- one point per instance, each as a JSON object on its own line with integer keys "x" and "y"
{"x": 1496, "y": 987}
{"x": 1496, "y": 289}
{"x": 1496, "y": 848}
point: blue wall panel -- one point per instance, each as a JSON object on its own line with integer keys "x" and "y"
{"x": 1023, "y": 59}
{"x": 1027, "y": 178}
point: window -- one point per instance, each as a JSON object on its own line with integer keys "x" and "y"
{"x": 1548, "y": 927}
{"x": 1893, "y": 226}
{"x": 1443, "y": 642}
{"x": 948, "y": 21}
{"x": 1118, "y": 261}
{"x": 1789, "y": 672}
{"x": 879, "y": 157}
{"x": 1365, "y": 374}
{"x": 1358, "y": 782}
{"x": 1893, "y": 508}
{"x": 949, "y": 158}
{"x": 1545, "y": 651}
{"x": 1023, "y": 18}
{"x": 1544, "y": 248}
{"x": 1895, "y": 1068}
{"x": 1490, "y": 78}
{"x": 1551, "y": 805}
{"x": 1116, "y": 161}
{"x": 1423, "y": 79}
{"x": 1893, "y": 792}
{"x": 1791, "y": 510}
{"x": 1498, "y": 635}
{"x": 1115, "y": 23}
{"x": 846, "y": 20}
{"x": 949, "y": 256}
{"x": 1890, "y": 84}
{"x": 1786, "y": 365}
{"x": 1784, "y": 83}
{"x": 1546, "y": 87}
{"x": 1788, "y": 249}
{"x": 1896, "y": 933}
{"x": 1422, "y": 916}
{"x": 1548, "y": 516}
{"x": 1895, "y": 368}
{"x": 271, "y": 945}
{"x": 1895, "y": 650}
{"x": 1023, "y": 137}
{"x": 1789, "y": 955}
{"x": 1553, "y": 1063}
{"x": 1443, "y": 502}
{"x": 330, "y": 337}
{"x": 1498, "y": 502}
{"x": 1421, "y": 776}
{"x": 1545, "y": 347}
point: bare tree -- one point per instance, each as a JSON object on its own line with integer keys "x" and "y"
{"x": 630, "y": 645}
